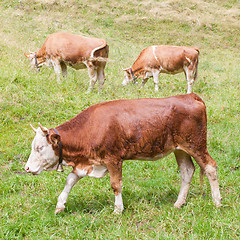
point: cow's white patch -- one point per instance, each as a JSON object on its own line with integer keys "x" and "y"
{"x": 42, "y": 156}
{"x": 118, "y": 203}
{"x": 81, "y": 172}
{"x": 154, "y": 53}
{"x": 126, "y": 79}
{"x": 148, "y": 75}
{"x": 98, "y": 171}
{"x": 188, "y": 59}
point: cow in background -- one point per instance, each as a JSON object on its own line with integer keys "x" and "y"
{"x": 64, "y": 49}
{"x": 154, "y": 60}
{"x": 101, "y": 137}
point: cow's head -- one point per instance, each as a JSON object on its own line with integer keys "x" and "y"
{"x": 43, "y": 156}
{"x": 128, "y": 76}
{"x": 34, "y": 61}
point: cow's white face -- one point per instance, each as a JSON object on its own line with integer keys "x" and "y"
{"x": 127, "y": 77}
{"x": 42, "y": 156}
{"x": 31, "y": 57}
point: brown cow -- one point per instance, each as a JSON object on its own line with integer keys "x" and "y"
{"x": 64, "y": 49}
{"x": 154, "y": 60}
{"x": 101, "y": 137}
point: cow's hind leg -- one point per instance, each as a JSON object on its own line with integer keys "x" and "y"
{"x": 64, "y": 69}
{"x": 190, "y": 77}
{"x": 100, "y": 77}
{"x": 209, "y": 166}
{"x": 92, "y": 72}
{"x": 187, "y": 169}
{"x": 115, "y": 172}
{"x": 72, "y": 179}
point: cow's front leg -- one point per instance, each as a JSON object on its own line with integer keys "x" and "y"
{"x": 115, "y": 172}
{"x": 144, "y": 82}
{"x": 72, "y": 179}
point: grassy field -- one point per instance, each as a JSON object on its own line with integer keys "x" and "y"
{"x": 27, "y": 202}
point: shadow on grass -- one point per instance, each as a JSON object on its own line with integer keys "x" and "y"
{"x": 131, "y": 200}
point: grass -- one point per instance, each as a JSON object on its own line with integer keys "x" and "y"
{"x": 27, "y": 202}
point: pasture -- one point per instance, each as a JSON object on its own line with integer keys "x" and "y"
{"x": 27, "y": 202}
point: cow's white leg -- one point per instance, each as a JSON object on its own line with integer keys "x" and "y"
{"x": 211, "y": 173}
{"x": 64, "y": 69}
{"x": 57, "y": 69}
{"x": 72, "y": 179}
{"x": 92, "y": 72}
{"x": 144, "y": 82}
{"x": 209, "y": 165}
{"x": 156, "y": 79}
{"x": 115, "y": 172}
{"x": 189, "y": 78}
{"x": 187, "y": 169}
{"x": 100, "y": 77}
{"x": 118, "y": 203}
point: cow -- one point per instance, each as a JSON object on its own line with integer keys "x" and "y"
{"x": 65, "y": 49}
{"x": 154, "y": 60}
{"x": 101, "y": 137}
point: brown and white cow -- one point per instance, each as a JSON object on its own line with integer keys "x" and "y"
{"x": 101, "y": 137}
{"x": 154, "y": 60}
{"x": 64, "y": 49}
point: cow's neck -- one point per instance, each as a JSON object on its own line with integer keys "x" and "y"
{"x": 137, "y": 69}
{"x": 41, "y": 54}
{"x": 72, "y": 135}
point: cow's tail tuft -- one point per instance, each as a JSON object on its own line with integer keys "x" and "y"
{"x": 201, "y": 179}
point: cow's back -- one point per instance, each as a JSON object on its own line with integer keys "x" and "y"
{"x": 71, "y": 47}
{"x": 128, "y": 127}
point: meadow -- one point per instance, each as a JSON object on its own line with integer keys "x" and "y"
{"x": 27, "y": 202}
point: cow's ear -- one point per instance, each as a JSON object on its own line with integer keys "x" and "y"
{"x": 126, "y": 69}
{"x": 55, "y": 139}
{"x": 27, "y": 55}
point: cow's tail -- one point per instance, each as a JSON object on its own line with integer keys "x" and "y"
{"x": 100, "y": 58}
{"x": 196, "y": 64}
{"x": 201, "y": 179}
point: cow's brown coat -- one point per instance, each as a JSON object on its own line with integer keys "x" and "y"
{"x": 65, "y": 49}
{"x": 108, "y": 133}
{"x": 154, "y": 60}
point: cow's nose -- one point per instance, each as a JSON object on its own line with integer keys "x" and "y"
{"x": 27, "y": 169}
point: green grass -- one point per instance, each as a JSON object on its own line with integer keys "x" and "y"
{"x": 27, "y": 202}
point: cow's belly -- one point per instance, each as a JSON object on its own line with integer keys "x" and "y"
{"x": 170, "y": 71}
{"x": 98, "y": 171}
{"x": 145, "y": 157}
{"x": 77, "y": 66}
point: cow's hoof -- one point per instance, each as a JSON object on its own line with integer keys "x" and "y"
{"x": 218, "y": 205}
{"x": 58, "y": 210}
{"x": 178, "y": 205}
{"x": 118, "y": 211}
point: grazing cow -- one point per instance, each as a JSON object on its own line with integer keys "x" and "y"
{"x": 164, "y": 59}
{"x": 101, "y": 137}
{"x": 64, "y": 49}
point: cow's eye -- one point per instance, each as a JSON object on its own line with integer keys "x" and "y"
{"x": 39, "y": 148}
